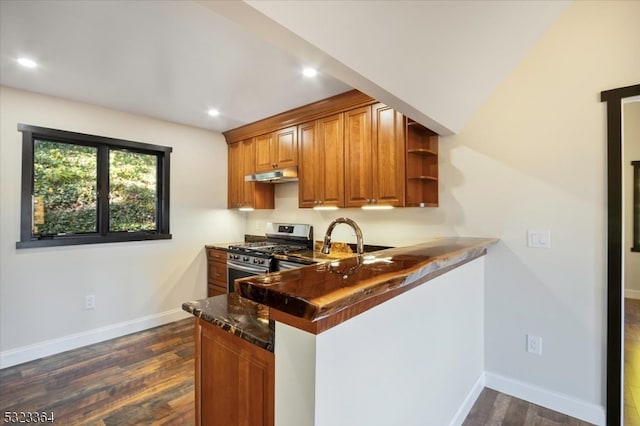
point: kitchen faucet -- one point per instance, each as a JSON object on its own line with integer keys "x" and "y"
{"x": 326, "y": 248}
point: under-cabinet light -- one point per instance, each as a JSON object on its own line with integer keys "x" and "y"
{"x": 377, "y": 207}
{"x": 246, "y": 209}
{"x": 325, "y": 208}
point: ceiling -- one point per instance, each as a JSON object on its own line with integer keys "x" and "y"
{"x": 436, "y": 61}
{"x": 171, "y": 60}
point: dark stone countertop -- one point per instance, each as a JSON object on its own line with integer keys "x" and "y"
{"x": 238, "y": 316}
{"x": 342, "y": 288}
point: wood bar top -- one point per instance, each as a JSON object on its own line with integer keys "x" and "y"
{"x": 317, "y": 297}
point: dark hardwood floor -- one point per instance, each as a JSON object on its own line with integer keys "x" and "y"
{"x": 631, "y": 362}
{"x": 495, "y": 408}
{"x": 146, "y": 378}
{"x": 139, "y": 379}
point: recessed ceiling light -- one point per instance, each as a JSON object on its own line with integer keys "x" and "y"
{"x": 309, "y": 72}
{"x": 27, "y": 63}
{"x": 213, "y": 112}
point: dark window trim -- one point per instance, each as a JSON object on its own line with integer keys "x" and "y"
{"x": 30, "y": 133}
{"x": 613, "y": 98}
{"x": 636, "y": 206}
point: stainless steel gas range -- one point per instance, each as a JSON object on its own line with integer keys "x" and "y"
{"x": 248, "y": 259}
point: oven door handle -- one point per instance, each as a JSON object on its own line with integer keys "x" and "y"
{"x": 244, "y": 268}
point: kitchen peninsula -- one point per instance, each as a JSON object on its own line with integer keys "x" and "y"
{"x": 390, "y": 337}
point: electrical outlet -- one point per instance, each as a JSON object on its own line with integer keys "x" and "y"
{"x": 90, "y": 301}
{"x": 534, "y": 344}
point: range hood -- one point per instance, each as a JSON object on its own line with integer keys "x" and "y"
{"x": 287, "y": 174}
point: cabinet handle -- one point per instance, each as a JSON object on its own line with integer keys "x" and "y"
{"x": 373, "y": 201}
{"x": 274, "y": 165}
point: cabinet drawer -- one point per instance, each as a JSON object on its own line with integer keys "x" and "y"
{"x": 217, "y": 254}
{"x": 217, "y": 272}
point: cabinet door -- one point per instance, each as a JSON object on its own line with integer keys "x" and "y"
{"x": 285, "y": 147}
{"x": 357, "y": 157}
{"x": 263, "y": 156}
{"x": 388, "y": 156}
{"x": 235, "y": 382}
{"x": 309, "y": 162}
{"x": 330, "y": 152}
{"x": 236, "y": 175}
{"x": 248, "y": 167}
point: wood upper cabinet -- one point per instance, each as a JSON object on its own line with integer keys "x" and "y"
{"x": 244, "y": 194}
{"x": 276, "y": 150}
{"x": 321, "y": 162}
{"x": 422, "y": 166}
{"x": 388, "y": 156}
{"x": 357, "y": 157}
{"x": 374, "y": 156}
{"x": 351, "y": 151}
{"x": 235, "y": 380}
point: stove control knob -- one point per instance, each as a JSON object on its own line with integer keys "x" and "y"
{"x": 255, "y": 260}
{"x": 245, "y": 258}
{"x": 261, "y": 262}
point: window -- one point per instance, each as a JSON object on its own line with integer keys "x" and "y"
{"x": 85, "y": 189}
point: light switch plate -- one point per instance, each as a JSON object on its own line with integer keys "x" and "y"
{"x": 538, "y": 238}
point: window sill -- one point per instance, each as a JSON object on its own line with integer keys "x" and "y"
{"x": 91, "y": 239}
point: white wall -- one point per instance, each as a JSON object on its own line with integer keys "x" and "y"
{"x": 533, "y": 156}
{"x": 411, "y": 361}
{"x": 136, "y": 284}
{"x": 631, "y": 144}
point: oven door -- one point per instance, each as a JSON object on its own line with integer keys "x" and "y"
{"x": 237, "y": 270}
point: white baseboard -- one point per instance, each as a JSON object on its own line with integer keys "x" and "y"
{"x": 73, "y": 341}
{"x": 555, "y": 401}
{"x": 631, "y": 294}
{"x": 468, "y": 402}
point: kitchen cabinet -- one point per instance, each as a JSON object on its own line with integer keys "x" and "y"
{"x": 321, "y": 162}
{"x": 242, "y": 194}
{"x": 216, "y": 271}
{"x": 276, "y": 150}
{"x": 374, "y": 157}
{"x": 422, "y": 166}
{"x": 235, "y": 379}
{"x": 351, "y": 151}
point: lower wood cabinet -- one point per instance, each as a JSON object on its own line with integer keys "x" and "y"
{"x": 235, "y": 380}
{"x": 216, "y": 272}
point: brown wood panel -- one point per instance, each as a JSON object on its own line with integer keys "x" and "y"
{"x": 331, "y": 156}
{"x": 308, "y": 165}
{"x": 241, "y": 193}
{"x": 388, "y": 156}
{"x": 237, "y": 380}
{"x": 357, "y": 156}
{"x": 216, "y": 271}
{"x": 263, "y": 155}
{"x": 216, "y": 254}
{"x": 285, "y": 151}
{"x": 333, "y": 105}
{"x": 421, "y": 166}
{"x": 235, "y": 175}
